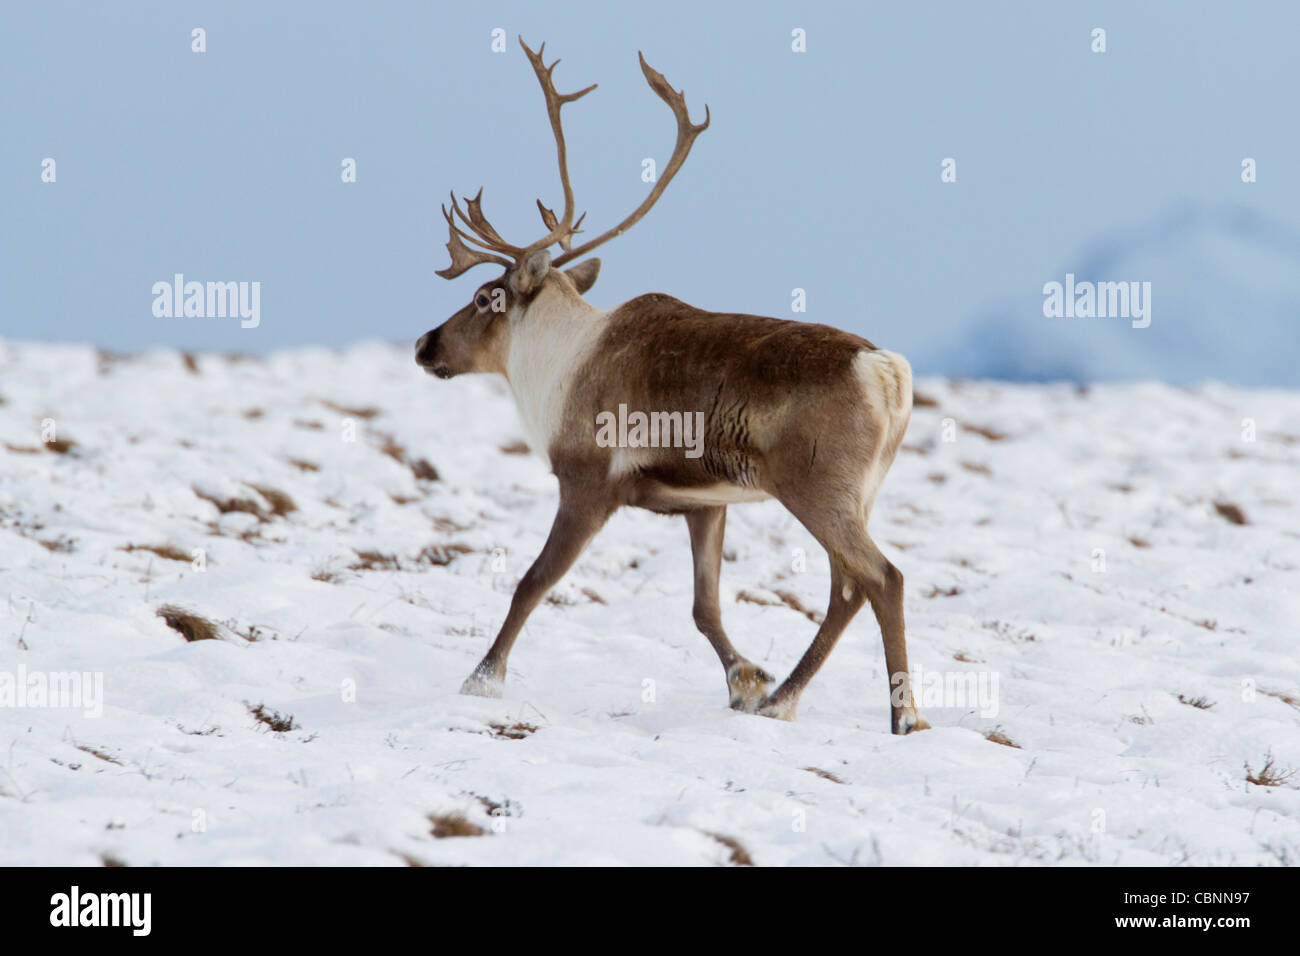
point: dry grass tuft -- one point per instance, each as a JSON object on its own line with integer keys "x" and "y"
{"x": 1200, "y": 703}
{"x": 937, "y": 591}
{"x": 170, "y": 552}
{"x": 228, "y": 505}
{"x": 739, "y": 855}
{"x": 824, "y": 774}
{"x": 787, "y": 599}
{"x": 998, "y": 737}
{"x": 920, "y": 400}
{"x": 442, "y": 555}
{"x": 423, "y": 470}
{"x": 303, "y": 465}
{"x": 191, "y": 626}
{"x": 281, "y": 504}
{"x": 988, "y": 433}
{"x": 1289, "y": 699}
{"x": 100, "y": 754}
{"x": 365, "y": 413}
{"x": 515, "y": 448}
{"x": 1230, "y": 512}
{"x": 977, "y": 469}
{"x": 190, "y": 362}
{"x": 375, "y": 561}
{"x": 279, "y": 723}
{"x": 453, "y": 825}
{"x": 1270, "y": 775}
{"x": 515, "y": 731}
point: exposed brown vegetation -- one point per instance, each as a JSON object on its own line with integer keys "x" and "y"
{"x": 303, "y": 465}
{"x": 976, "y": 468}
{"x": 824, "y": 774}
{"x": 1230, "y": 512}
{"x": 937, "y": 591}
{"x": 739, "y": 855}
{"x": 191, "y": 626}
{"x": 424, "y": 471}
{"x": 1200, "y": 703}
{"x": 515, "y": 448}
{"x": 365, "y": 413}
{"x": 375, "y": 561}
{"x": 276, "y": 721}
{"x": 229, "y": 505}
{"x": 787, "y": 599}
{"x": 1289, "y": 699}
{"x": 102, "y": 755}
{"x": 920, "y": 400}
{"x": 281, "y": 504}
{"x": 998, "y": 737}
{"x": 453, "y": 825}
{"x": 1270, "y": 775}
{"x": 988, "y": 433}
{"x": 170, "y": 552}
{"x": 515, "y": 731}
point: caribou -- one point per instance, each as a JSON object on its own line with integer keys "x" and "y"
{"x": 807, "y": 414}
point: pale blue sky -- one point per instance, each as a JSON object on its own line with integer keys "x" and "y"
{"x": 820, "y": 171}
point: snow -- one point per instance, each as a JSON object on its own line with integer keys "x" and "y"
{"x": 635, "y": 758}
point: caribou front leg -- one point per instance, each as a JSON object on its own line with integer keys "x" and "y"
{"x": 582, "y": 513}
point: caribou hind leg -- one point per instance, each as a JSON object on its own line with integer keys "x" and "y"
{"x": 747, "y": 683}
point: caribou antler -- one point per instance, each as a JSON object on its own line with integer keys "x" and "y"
{"x": 686, "y": 133}
{"x": 564, "y": 228}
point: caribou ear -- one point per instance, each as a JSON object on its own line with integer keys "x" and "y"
{"x": 584, "y": 274}
{"x": 530, "y": 273}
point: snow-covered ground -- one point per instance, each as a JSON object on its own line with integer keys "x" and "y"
{"x": 1143, "y": 644}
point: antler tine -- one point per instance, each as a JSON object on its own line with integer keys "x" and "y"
{"x": 464, "y": 257}
{"x": 560, "y": 230}
{"x": 484, "y": 233}
{"x": 686, "y": 133}
{"x": 548, "y": 217}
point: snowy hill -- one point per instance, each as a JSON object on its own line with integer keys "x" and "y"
{"x": 1080, "y": 547}
{"x": 1225, "y": 306}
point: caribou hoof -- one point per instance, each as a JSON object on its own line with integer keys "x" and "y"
{"x": 749, "y": 685}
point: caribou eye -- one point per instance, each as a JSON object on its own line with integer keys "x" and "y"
{"x": 481, "y": 301}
